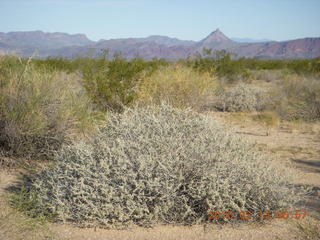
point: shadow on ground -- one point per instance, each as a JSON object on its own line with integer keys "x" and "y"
{"x": 311, "y": 201}
{"x": 253, "y": 134}
{"x": 309, "y": 165}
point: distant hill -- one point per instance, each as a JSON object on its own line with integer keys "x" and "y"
{"x": 68, "y": 45}
{"x": 43, "y": 40}
{"x": 299, "y": 48}
{"x": 250, "y": 40}
{"x": 167, "y": 41}
{"x": 27, "y": 43}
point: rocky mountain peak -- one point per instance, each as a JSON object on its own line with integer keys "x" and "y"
{"x": 216, "y": 36}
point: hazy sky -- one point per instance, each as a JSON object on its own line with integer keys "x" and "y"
{"x": 184, "y": 19}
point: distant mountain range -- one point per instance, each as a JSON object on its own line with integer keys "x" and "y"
{"x": 250, "y": 40}
{"x": 44, "y": 45}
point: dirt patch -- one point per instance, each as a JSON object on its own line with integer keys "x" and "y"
{"x": 274, "y": 230}
{"x": 13, "y": 224}
{"x": 295, "y": 145}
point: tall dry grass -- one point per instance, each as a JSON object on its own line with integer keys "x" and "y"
{"x": 39, "y": 109}
{"x": 179, "y": 86}
{"x": 297, "y": 98}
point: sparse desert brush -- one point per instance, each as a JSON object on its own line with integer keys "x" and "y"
{"x": 267, "y": 75}
{"x": 268, "y": 119}
{"x": 178, "y": 85}
{"x": 159, "y": 165}
{"x": 242, "y": 98}
{"x": 298, "y": 97}
{"x": 38, "y": 109}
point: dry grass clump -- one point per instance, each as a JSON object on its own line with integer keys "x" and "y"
{"x": 242, "y": 98}
{"x": 38, "y": 108}
{"x": 178, "y": 85}
{"x": 159, "y": 165}
{"x": 297, "y": 98}
{"x": 268, "y": 119}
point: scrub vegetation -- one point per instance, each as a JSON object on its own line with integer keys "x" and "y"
{"x": 130, "y": 141}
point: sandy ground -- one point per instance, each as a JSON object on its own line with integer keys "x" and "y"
{"x": 296, "y": 146}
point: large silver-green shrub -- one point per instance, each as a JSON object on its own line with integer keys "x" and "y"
{"x": 159, "y": 165}
{"x": 242, "y": 98}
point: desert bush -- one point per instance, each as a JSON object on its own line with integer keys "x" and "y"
{"x": 223, "y": 64}
{"x": 298, "y": 97}
{"x": 233, "y": 68}
{"x": 113, "y": 84}
{"x": 38, "y": 109}
{"x": 265, "y": 64}
{"x": 242, "y": 98}
{"x": 305, "y": 66}
{"x": 178, "y": 85}
{"x": 159, "y": 165}
{"x": 56, "y": 64}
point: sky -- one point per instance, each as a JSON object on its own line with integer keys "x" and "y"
{"x": 184, "y": 19}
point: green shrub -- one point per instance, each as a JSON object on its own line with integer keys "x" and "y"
{"x": 38, "y": 109}
{"x": 222, "y": 64}
{"x": 178, "y": 85}
{"x": 233, "y": 68}
{"x": 113, "y": 84}
{"x": 305, "y": 66}
{"x": 160, "y": 165}
{"x": 56, "y": 64}
{"x": 241, "y": 98}
{"x": 265, "y": 64}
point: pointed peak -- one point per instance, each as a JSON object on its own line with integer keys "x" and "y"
{"x": 216, "y": 36}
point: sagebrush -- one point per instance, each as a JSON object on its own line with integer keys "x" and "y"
{"x": 159, "y": 165}
{"x": 242, "y": 98}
